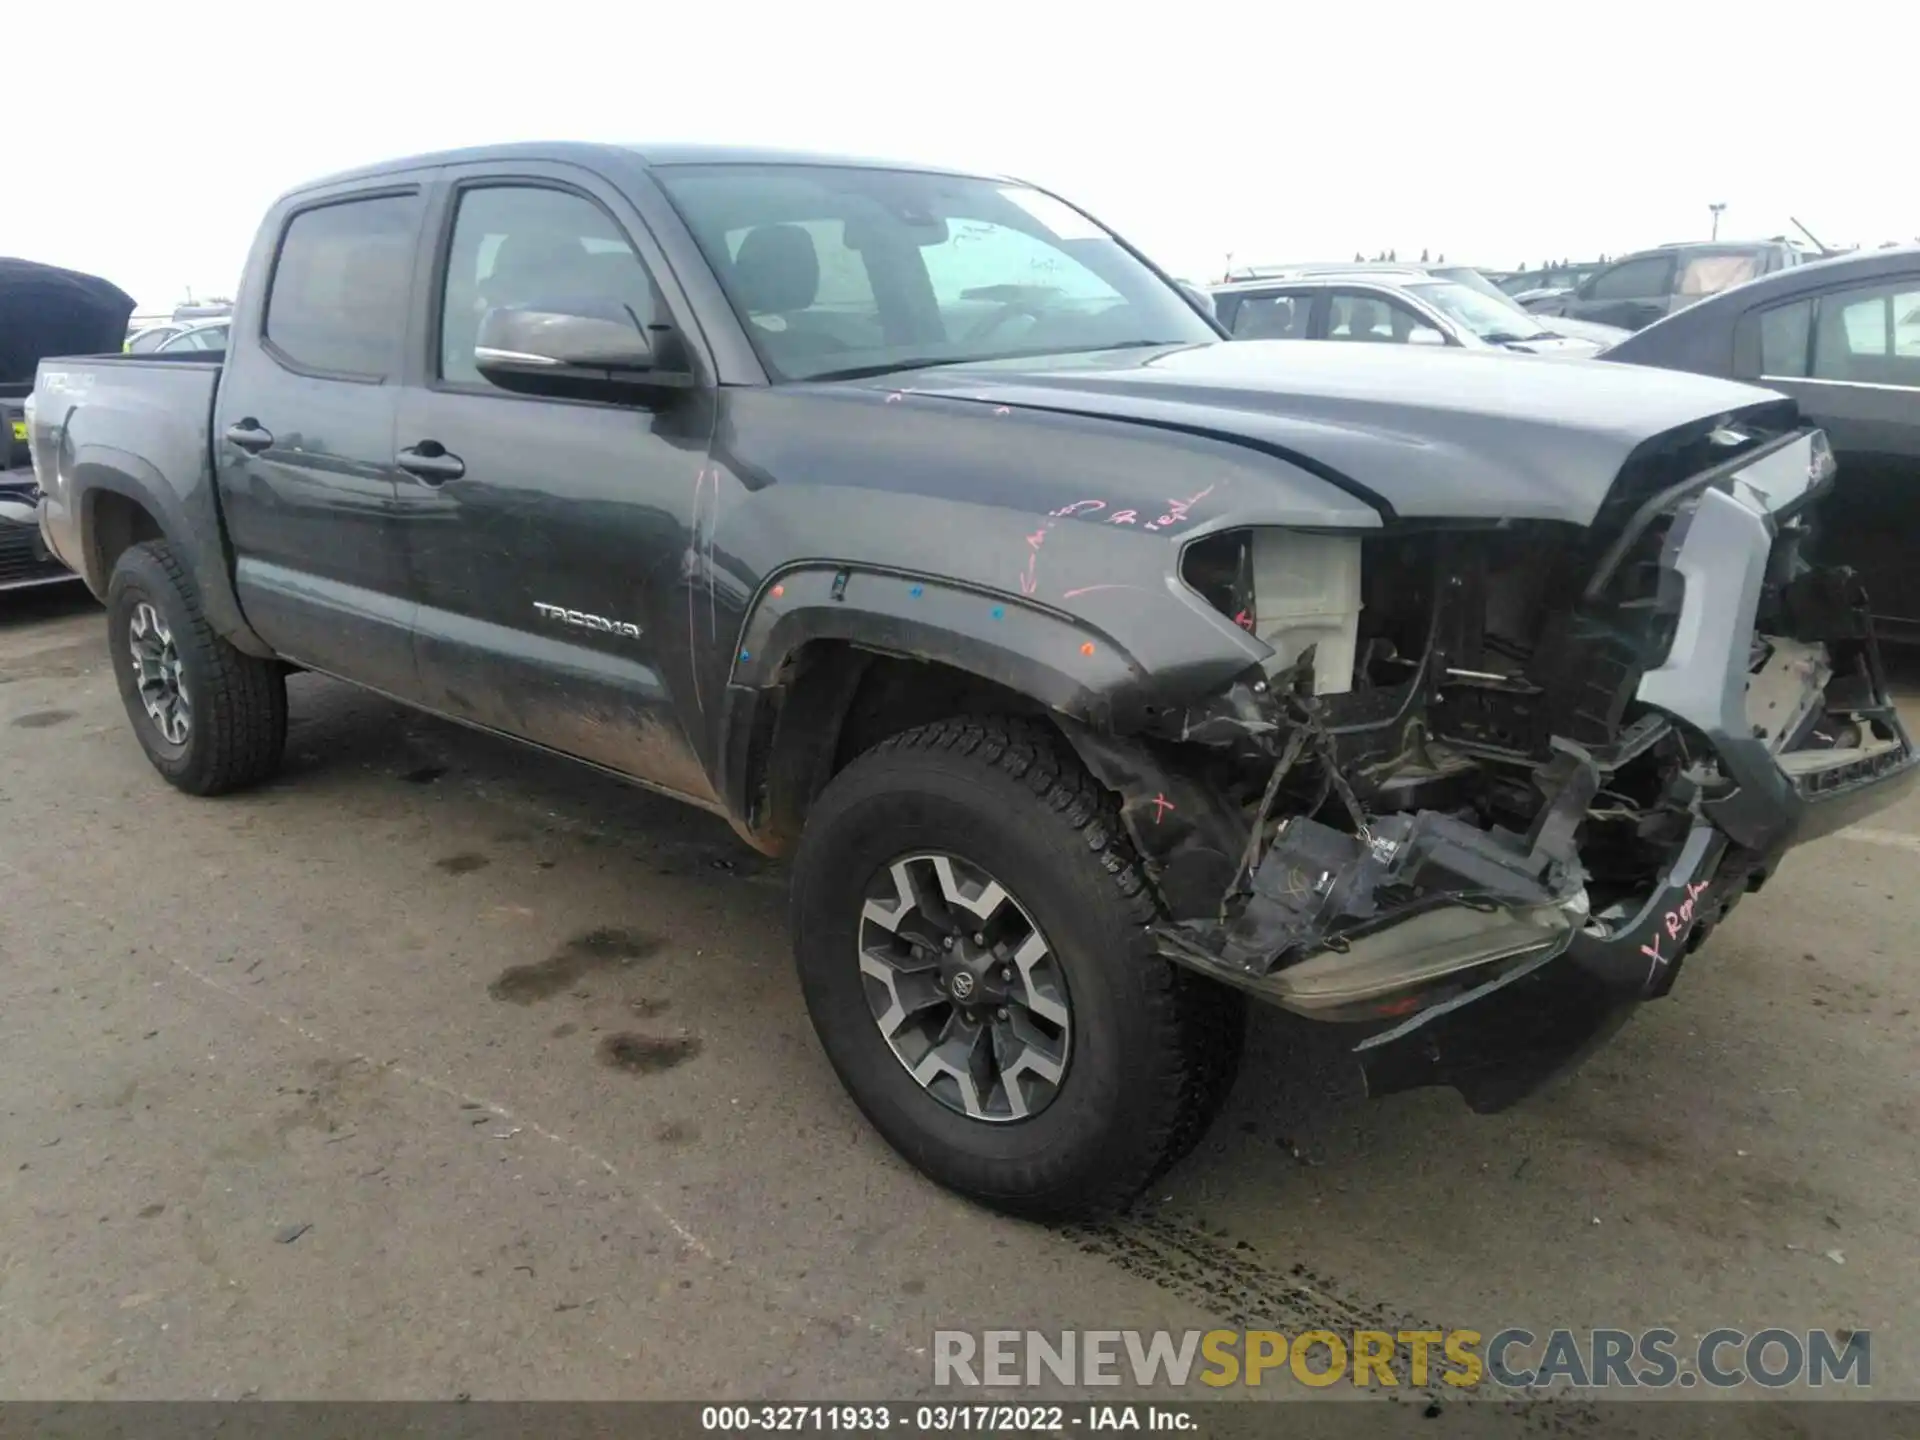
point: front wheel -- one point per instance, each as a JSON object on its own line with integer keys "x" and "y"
{"x": 969, "y": 923}
{"x": 210, "y": 718}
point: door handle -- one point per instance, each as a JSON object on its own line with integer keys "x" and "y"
{"x": 430, "y": 463}
{"x": 250, "y": 435}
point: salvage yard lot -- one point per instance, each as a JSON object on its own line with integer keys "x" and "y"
{"x": 437, "y": 1068}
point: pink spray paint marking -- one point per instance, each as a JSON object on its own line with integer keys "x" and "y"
{"x": 1676, "y": 923}
{"x": 1090, "y": 507}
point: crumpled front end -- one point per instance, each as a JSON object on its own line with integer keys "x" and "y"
{"x": 1486, "y": 799}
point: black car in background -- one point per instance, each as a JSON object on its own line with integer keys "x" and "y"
{"x": 1638, "y": 289}
{"x": 44, "y": 310}
{"x": 1842, "y": 337}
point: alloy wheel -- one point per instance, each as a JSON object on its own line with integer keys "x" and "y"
{"x": 965, "y": 988}
{"x": 159, "y": 674}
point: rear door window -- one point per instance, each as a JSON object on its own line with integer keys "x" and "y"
{"x": 338, "y": 300}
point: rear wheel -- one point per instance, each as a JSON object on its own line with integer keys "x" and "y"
{"x": 970, "y": 928}
{"x": 210, "y": 718}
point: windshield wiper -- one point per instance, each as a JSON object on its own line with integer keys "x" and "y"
{"x": 888, "y": 367}
{"x": 928, "y": 362}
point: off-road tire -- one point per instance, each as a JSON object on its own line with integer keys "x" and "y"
{"x": 239, "y": 703}
{"x": 1154, "y": 1048}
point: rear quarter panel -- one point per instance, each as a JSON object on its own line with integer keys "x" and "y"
{"x": 139, "y": 427}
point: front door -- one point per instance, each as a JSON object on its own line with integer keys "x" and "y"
{"x": 303, "y": 439}
{"x": 546, "y": 536}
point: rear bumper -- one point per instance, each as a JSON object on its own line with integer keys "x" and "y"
{"x": 25, "y": 559}
{"x": 1501, "y": 1039}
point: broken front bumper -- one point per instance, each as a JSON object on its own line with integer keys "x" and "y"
{"x": 1510, "y": 979}
{"x": 1500, "y": 1040}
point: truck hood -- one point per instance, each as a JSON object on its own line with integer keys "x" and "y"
{"x": 1416, "y": 433}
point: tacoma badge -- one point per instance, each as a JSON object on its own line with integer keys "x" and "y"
{"x": 585, "y": 621}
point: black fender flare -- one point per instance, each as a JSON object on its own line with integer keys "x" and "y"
{"x": 191, "y": 525}
{"x": 1056, "y": 660}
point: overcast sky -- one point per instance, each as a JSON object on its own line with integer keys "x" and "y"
{"x": 1492, "y": 133}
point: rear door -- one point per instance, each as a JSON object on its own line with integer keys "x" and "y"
{"x": 303, "y": 434}
{"x": 544, "y": 534}
{"x": 1631, "y": 294}
{"x": 1851, "y": 357}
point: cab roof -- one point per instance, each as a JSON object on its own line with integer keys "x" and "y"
{"x": 604, "y": 157}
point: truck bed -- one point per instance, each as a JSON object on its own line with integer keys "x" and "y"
{"x": 112, "y": 408}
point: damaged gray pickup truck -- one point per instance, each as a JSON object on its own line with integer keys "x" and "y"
{"x": 1096, "y": 672}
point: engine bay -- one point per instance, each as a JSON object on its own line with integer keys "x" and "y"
{"x": 1445, "y": 768}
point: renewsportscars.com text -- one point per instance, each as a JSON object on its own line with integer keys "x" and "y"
{"x": 1512, "y": 1358}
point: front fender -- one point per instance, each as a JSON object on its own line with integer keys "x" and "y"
{"x": 1062, "y": 661}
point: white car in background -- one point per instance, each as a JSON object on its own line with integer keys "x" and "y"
{"x": 151, "y": 337}
{"x": 207, "y": 335}
{"x": 1395, "y": 304}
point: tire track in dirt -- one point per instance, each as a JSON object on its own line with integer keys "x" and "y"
{"x": 1227, "y": 1279}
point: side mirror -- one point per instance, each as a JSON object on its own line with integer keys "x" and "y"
{"x": 570, "y": 348}
{"x": 551, "y": 335}
{"x": 1423, "y": 335}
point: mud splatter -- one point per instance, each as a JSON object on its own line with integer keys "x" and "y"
{"x": 42, "y": 719}
{"x": 648, "y": 1006}
{"x": 676, "y": 1132}
{"x": 464, "y": 863}
{"x": 648, "y": 1054}
{"x": 425, "y": 775}
{"x": 563, "y": 1030}
{"x": 567, "y": 966}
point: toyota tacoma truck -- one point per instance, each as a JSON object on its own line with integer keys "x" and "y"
{"x": 1095, "y": 673}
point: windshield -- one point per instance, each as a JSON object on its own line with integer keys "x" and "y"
{"x": 1492, "y": 318}
{"x": 845, "y": 270}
